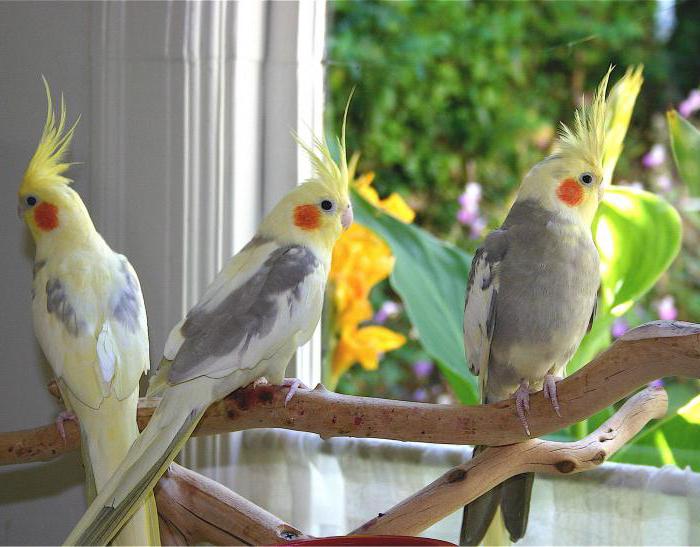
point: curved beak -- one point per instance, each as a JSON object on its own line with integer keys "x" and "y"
{"x": 347, "y": 217}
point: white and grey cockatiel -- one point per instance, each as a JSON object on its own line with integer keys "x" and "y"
{"x": 265, "y": 302}
{"x": 89, "y": 318}
{"x": 531, "y": 297}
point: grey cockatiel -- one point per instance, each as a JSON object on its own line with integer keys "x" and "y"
{"x": 531, "y": 296}
{"x": 265, "y": 302}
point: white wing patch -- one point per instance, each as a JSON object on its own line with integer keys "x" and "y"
{"x": 480, "y": 314}
{"x": 106, "y": 354}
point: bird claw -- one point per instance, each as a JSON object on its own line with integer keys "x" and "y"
{"x": 550, "y": 391}
{"x": 522, "y": 404}
{"x": 293, "y": 384}
{"x": 65, "y": 416}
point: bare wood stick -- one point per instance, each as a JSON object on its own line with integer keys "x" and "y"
{"x": 195, "y": 509}
{"x": 466, "y": 482}
{"x": 654, "y": 350}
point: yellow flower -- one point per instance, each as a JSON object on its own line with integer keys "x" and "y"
{"x": 395, "y": 205}
{"x": 364, "y": 345}
{"x": 361, "y": 260}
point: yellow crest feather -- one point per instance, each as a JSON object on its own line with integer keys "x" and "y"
{"x": 334, "y": 175}
{"x": 46, "y": 166}
{"x": 586, "y": 141}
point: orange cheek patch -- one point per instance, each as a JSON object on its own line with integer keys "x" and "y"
{"x": 570, "y": 192}
{"x": 46, "y": 216}
{"x": 307, "y": 217}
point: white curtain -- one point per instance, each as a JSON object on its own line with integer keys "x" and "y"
{"x": 330, "y": 487}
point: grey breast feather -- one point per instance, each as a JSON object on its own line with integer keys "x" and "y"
{"x": 250, "y": 311}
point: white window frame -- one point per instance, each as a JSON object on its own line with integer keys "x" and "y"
{"x": 193, "y": 105}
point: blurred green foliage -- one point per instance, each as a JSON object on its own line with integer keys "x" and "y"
{"x": 455, "y": 91}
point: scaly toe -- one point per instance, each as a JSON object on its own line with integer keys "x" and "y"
{"x": 522, "y": 405}
{"x": 64, "y": 416}
{"x": 294, "y": 384}
{"x": 550, "y": 391}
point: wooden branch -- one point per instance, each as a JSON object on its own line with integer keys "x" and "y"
{"x": 195, "y": 509}
{"x": 652, "y": 351}
{"x": 466, "y": 482}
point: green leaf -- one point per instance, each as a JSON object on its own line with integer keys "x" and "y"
{"x": 638, "y": 234}
{"x": 430, "y": 276}
{"x": 685, "y": 143}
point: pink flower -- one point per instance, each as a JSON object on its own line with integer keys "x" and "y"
{"x": 477, "y": 228}
{"x": 387, "y": 310}
{"x": 420, "y": 395}
{"x": 654, "y": 157}
{"x": 422, "y": 369}
{"x": 690, "y": 104}
{"x": 666, "y": 308}
{"x": 466, "y": 217}
{"x": 664, "y": 183}
{"x": 469, "y": 203}
{"x": 619, "y": 327}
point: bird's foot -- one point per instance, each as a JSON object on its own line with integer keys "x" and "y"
{"x": 293, "y": 384}
{"x": 522, "y": 404}
{"x": 550, "y": 391}
{"x": 262, "y": 381}
{"x": 65, "y": 416}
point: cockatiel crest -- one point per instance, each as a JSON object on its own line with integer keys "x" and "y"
{"x": 569, "y": 181}
{"x": 320, "y": 208}
{"x": 46, "y": 201}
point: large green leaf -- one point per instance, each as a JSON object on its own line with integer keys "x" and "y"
{"x": 638, "y": 234}
{"x": 430, "y": 276}
{"x": 685, "y": 143}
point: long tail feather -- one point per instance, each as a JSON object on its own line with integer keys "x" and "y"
{"x": 147, "y": 460}
{"x": 515, "y": 504}
{"x": 107, "y": 434}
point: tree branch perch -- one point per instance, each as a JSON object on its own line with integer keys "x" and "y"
{"x": 654, "y": 350}
{"x": 194, "y": 509}
{"x": 467, "y": 482}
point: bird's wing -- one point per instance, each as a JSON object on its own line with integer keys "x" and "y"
{"x": 126, "y": 325}
{"x": 93, "y": 333}
{"x": 257, "y": 303}
{"x": 480, "y": 305}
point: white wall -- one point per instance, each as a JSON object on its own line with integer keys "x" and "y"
{"x": 186, "y": 113}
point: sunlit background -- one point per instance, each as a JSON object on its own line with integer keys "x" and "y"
{"x": 453, "y": 103}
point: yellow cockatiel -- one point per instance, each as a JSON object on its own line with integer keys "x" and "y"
{"x": 265, "y": 302}
{"x": 89, "y": 318}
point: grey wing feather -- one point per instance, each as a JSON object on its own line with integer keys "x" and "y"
{"x": 128, "y": 306}
{"x": 481, "y": 303}
{"x": 249, "y": 312}
{"x": 58, "y": 304}
{"x": 480, "y": 310}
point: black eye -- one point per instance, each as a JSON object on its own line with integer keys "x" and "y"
{"x": 587, "y": 178}
{"x": 30, "y": 200}
{"x": 326, "y": 205}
